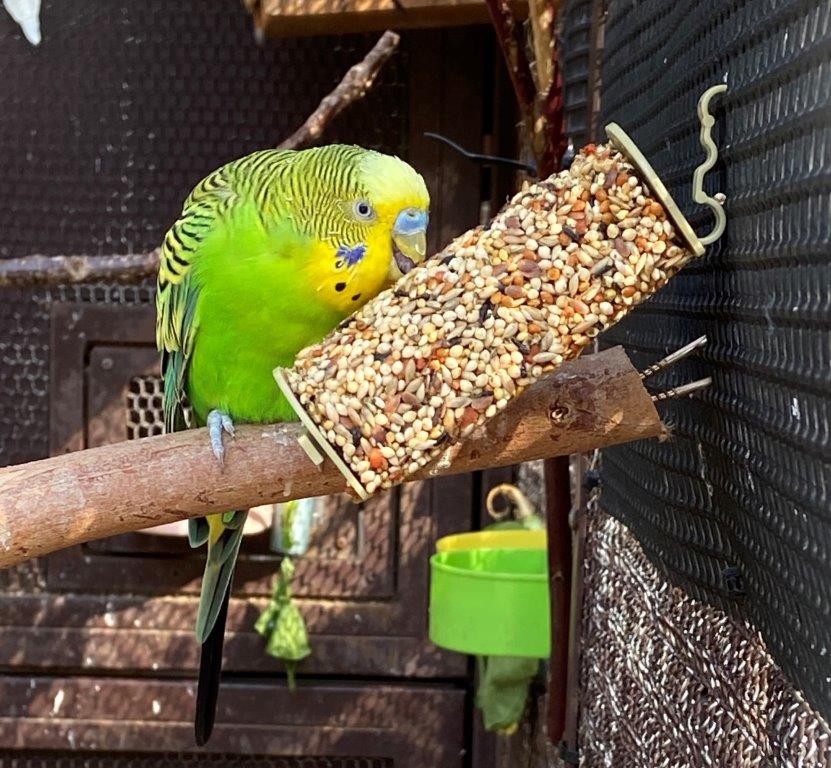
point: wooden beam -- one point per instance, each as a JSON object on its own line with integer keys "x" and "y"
{"x": 292, "y": 18}
{"x": 66, "y": 500}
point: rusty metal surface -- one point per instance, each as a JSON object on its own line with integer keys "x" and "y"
{"x": 669, "y": 682}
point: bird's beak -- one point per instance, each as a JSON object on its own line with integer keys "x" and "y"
{"x": 409, "y": 238}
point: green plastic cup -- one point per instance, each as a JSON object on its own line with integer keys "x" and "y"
{"x": 491, "y": 602}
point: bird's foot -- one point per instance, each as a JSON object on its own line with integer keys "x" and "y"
{"x": 218, "y": 423}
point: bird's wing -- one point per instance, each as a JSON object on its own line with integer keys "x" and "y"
{"x": 177, "y": 292}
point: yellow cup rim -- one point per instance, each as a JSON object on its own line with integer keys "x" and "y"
{"x": 499, "y": 539}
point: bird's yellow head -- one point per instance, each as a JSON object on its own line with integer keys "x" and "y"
{"x": 371, "y": 217}
{"x": 398, "y": 196}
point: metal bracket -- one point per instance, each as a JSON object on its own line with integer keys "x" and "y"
{"x": 698, "y": 193}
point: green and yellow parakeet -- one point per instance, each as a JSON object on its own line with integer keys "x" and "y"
{"x": 270, "y": 253}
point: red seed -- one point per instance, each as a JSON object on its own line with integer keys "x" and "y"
{"x": 470, "y": 416}
{"x": 377, "y": 460}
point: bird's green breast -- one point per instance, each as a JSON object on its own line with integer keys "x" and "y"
{"x": 255, "y": 312}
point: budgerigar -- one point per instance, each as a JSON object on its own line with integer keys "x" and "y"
{"x": 270, "y": 253}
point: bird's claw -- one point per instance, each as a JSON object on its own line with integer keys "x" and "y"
{"x": 218, "y": 423}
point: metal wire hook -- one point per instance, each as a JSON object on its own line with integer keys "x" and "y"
{"x": 481, "y": 159}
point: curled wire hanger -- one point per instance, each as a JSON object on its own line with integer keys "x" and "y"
{"x": 481, "y": 159}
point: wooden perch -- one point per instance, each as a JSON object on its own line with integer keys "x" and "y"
{"x": 29, "y": 271}
{"x": 291, "y": 18}
{"x": 66, "y": 500}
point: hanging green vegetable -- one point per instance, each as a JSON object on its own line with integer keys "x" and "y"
{"x": 282, "y": 624}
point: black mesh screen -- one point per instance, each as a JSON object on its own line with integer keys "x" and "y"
{"x": 575, "y": 47}
{"x": 106, "y": 126}
{"x": 124, "y": 106}
{"x": 736, "y": 505}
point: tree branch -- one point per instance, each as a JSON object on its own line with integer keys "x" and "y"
{"x": 29, "y": 271}
{"x": 549, "y": 139}
{"x": 353, "y": 87}
{"x": 542, "y": 14}
{"x": 66, "y": 500}
{"x": 551, "y": 121}
{"x": 513, "y": 49}
{"x": 540, "y": 98}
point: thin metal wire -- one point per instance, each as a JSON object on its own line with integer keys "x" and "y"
{"x": 682, "y": 391}
{"x": 481, "y": 159}
{"x": 674, "y": 357}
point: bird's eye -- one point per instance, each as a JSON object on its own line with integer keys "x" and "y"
{"x": 363, "y": 210}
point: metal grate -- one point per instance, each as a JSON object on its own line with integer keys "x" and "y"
{"x": 179, "y": 760}
{"x": 145, "y": 416}
{"x": 144, "y": 411}
{"x": 670, "y": 682}
{"x": 736, "y": 508}
{"x": 106, "y": 127}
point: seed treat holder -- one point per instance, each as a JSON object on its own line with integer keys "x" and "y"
{"x": 402, "y": 382}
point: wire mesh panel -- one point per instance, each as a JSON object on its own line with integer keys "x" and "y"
{"x": 144, "y": 407}
{"x": 144, "y": 415}
{"x": 108, "y": 124}
{"x": 673, "y": 683}
{"x": 735, "y": 507}
{"x": 576, "y": 51}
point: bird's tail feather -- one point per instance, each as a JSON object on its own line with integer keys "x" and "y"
{"x": 222, "y": 556}
{"x": 210, "y": 671}
{"x": 198, "y": 531}
{"x": 211, "y": 616}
